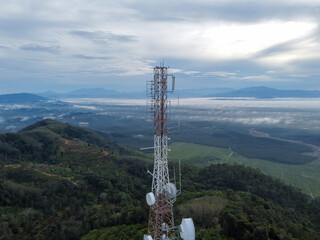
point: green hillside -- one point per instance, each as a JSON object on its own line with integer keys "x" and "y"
{"x": 304, "y": 176}
{"x": 62, "y": 182}
{"x": 45, "y": 141}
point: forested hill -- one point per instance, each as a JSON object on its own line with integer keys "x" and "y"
{"x": 45, "y": 142}
{"x": 62, "y": 182}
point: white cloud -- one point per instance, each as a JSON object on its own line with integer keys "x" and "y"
{"x": 213, "y": 103}
{"x": 10, "y": 128}
{"x": 262, "y": 78}
{"x": 260, "y": 120}
{"x": 107, "y": 101}
{"x": 25, "y": 119}
{"x": 73, "y": 41}
{"x": 174, "y": 70}
{"x": 216, "y": 40}
{"x": 191, "y": 72}
{"x": 299, "y": 75}
{"x": 220, "y": 74}
{"x": 239, "y": 41}
{"x": 14, "y": 106}
{"x": 281, "y": 103}
{"x": 85, "y": 107}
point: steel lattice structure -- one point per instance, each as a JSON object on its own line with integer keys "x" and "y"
{"x": 161, "y": 220}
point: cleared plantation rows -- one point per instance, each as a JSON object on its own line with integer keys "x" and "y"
{"x": 305, "y": 177}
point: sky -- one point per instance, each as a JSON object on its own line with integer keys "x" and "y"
{"x": 63, "y": 45}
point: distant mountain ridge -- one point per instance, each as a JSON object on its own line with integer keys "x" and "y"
{"x": 253, "y": 92}
{"x": 98, "y": 93}
{"x": 93, "y": 93}
{"x": 21, "y": 97}
{"x": 203, "y": 92}
{"x": 105, "y": 93}
{"x": 266, "y": 92}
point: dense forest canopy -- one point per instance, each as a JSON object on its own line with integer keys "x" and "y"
{"x": 58, "y": 181}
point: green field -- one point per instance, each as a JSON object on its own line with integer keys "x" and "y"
{"x": 305, "y": 177}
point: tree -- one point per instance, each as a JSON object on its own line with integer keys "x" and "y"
{"x": 260, "y": 233}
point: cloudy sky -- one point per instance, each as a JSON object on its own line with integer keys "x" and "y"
{"x": 63, "y": 45}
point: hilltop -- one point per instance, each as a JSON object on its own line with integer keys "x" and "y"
{"x": 21, "y": 98}
{"x": 43, "y": 142}
{"x": 58, "y": 181}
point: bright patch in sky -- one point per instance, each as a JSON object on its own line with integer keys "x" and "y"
{"x": 237, "y": 41}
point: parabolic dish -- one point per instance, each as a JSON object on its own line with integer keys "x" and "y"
{"x": 171, "y": 189}
{"x": 187, "y": 229}
{"x": 151, "y": 200}
{"x": 147, "y": 237}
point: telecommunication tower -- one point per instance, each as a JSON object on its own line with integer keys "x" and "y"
{"x": 163, "y": 192}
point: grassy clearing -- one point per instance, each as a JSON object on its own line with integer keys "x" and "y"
{"x": 305, "y": 177}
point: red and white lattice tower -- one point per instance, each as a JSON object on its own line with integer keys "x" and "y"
{"x": 163, "y": 193}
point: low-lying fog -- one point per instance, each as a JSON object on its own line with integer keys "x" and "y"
{"x": 294, "y": 103}
{"x": 284, "y": 112}
{"x": 291, "y": 112}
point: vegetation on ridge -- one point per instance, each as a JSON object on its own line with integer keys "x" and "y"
{"x": 80, "y": 185}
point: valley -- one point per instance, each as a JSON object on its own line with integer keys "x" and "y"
{"x": 58, "y": 181}
{"x": 305, "y": 177}
{"x": 94, "y": 177}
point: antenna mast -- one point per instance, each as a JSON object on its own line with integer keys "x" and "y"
{"x": 163, "y": 193}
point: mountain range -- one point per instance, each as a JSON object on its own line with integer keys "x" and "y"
{"x": 252, "y": 92}
{"x": 105, "y": 93}
{"x": 92, "y": 93}
{"x": 266, "y": 92}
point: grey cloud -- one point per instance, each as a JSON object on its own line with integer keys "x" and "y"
{"x": 103, "y": 37}
{"x": 40, "y": 48}
{"x": 308, "y": 65}
{"x": 4, "y": 47}
{"x": 30, "y": 28}
{"x": 81, "y": 56}
{"x": 286, "y": 46}
{"x": 236, "y": 11}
